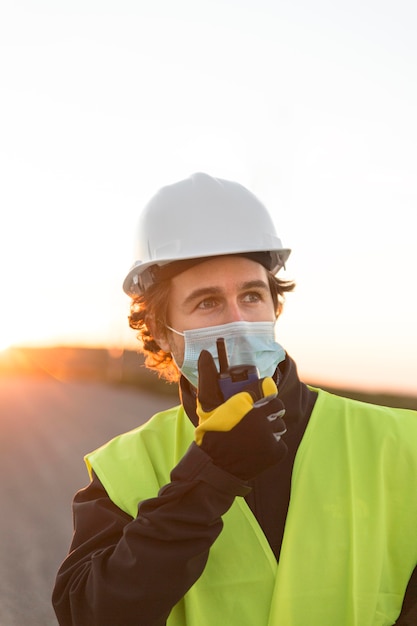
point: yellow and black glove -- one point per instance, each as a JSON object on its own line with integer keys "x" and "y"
{"x": 242, "y": 435}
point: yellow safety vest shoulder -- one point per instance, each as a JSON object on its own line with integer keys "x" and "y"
{"x": 350, "y": 540}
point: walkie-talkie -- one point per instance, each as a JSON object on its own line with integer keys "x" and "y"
{"x": 235, "y": 378}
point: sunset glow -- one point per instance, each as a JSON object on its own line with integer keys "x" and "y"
{"x": 313, "y": 110}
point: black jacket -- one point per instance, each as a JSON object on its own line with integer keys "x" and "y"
{"x": 130, "y": 572}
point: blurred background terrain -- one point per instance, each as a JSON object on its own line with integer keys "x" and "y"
{"x": 126, "y": 367}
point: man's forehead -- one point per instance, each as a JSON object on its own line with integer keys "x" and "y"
{"x": 222, "y": 274}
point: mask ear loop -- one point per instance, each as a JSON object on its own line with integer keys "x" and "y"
{"x": 177, "y": 332}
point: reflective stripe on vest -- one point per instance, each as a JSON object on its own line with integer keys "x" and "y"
{"x": 350, "y": 540}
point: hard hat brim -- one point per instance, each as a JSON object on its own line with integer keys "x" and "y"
{"x": 140, "y": 278}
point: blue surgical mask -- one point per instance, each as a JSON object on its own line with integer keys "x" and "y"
{"x": 247, "y": 343}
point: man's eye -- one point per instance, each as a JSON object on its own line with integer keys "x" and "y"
{"x": 252, "y": 296}
{"x": 208, "y": 303}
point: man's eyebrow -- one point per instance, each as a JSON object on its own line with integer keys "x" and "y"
{"x": 254, "y": 284}
{"x": 213, "y": 290}
{"x": 200, "y": 293}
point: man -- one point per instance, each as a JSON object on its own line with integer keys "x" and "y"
{"x": 259, "y": 500}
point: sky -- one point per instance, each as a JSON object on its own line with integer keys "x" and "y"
{"x": 312, "y": 106}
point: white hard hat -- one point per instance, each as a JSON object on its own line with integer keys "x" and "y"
{"x": 201, "y": 217}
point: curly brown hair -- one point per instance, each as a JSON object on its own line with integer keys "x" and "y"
{"x": 151, "y": 307}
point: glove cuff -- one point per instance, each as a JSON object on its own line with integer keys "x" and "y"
{"x": 203, "y": 469}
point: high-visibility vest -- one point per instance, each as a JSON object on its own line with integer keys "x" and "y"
{"x": 350, "y": 540}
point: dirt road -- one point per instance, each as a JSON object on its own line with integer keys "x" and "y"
{"x": 46, "y": 427}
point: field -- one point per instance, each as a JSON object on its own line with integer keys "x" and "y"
{"x": 46, "y": 428}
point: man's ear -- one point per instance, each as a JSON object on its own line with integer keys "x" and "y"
{"x": 158, "y": 333}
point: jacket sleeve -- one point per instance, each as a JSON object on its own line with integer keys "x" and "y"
{"x": 408, "y": 615}
{"x": 133, "y": 571}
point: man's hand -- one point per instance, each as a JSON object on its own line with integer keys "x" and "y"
{"x": 243, "y": 434}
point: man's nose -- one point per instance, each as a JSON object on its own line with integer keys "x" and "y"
{"x": 234, "y": 313}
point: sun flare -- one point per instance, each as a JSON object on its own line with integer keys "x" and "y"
{"x": 6, "y": 341}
